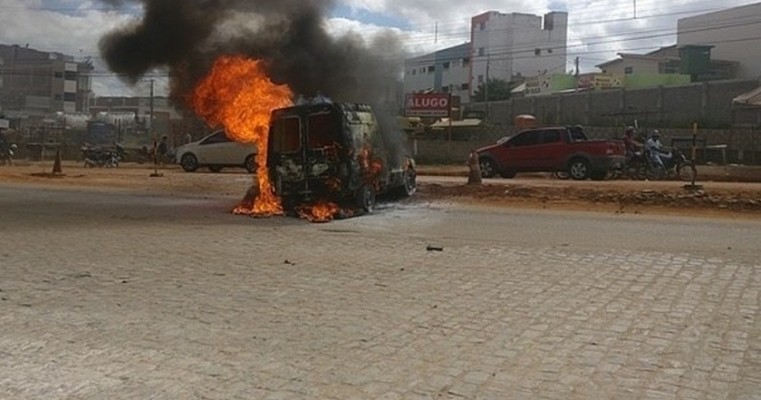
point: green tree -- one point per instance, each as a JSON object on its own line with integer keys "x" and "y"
{"x": 499, "y": 89}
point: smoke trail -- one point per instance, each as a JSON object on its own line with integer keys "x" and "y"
{"x": 187, "y": 35}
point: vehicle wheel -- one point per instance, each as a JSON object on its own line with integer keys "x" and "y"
{"x": 250, "y": 164}
{"x": 488, "y": 167}
{"x": 686, "y": 171}
{"x": 561, "y": 175}
{"x": 507, "y": 174}
{"x": 365, "y": 198}
{"x": 189, "y": 162}
{"x": 215, "y": 168}
{"x": 598, "y": 175}
{"x": 579, "y": 169}
{"x": 410, "y": 184}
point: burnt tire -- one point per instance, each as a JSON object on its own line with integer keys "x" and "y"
{"x": 250, "y": 164}
{"x": 215, "y": 168}
{"x": 189, "y": 162}
{"x": 579, "y": 169}
{"x": 365, "y": 199}
{"x": 488, "y": 167}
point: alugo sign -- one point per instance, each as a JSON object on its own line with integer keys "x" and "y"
{"x": 427, "y": 105}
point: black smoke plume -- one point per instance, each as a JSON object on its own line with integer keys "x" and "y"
{"x": 186, "y": 36}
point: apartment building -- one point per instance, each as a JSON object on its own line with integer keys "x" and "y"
{"x": 502, "y": 46}
{"x": 38, "y": 83}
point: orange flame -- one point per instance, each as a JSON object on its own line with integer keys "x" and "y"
{"x": 319, "y": 212}
{"x": 238, "y": 94}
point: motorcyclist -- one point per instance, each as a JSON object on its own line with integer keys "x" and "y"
{"x": 632, "y": 145}
{"x": 658, "y": 155}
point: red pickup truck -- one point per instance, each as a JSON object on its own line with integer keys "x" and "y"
{"x": 551, "y": 149}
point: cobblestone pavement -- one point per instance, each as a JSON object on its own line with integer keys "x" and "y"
{"x": 127, "y": 296}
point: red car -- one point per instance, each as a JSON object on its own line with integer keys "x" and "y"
{"x": 552, "y": 149}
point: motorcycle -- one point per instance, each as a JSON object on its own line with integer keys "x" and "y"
{"x": 636, "y": 166}
{"x": 678, "y": 166}
{"x": 8, "y": 154}
{"x": 96, "y": 156}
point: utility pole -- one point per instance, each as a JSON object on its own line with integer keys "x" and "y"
{"x": 152, "y": 132}
{"x": 486, "y": 86}
{"x": 150, "y": 120}
{"x": 576, "y": 74}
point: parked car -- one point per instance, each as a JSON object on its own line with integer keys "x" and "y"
{"x": 216, "y": 151}
{"x": 335, "y": 152}
{"x": 552, "y": 149}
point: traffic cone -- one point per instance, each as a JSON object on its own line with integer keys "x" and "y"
{"x": 57, "y": 163}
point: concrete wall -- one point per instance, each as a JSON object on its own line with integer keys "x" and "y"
{"x": 709, "y": 103}
{"x": 714, "y": 145}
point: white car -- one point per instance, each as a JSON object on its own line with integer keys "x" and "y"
{"x": 216, "y": 151}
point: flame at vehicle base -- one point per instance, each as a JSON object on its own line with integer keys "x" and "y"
{"x": 238, "y": 94}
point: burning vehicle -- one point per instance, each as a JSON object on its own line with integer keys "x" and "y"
{"x": 333, "y": 157}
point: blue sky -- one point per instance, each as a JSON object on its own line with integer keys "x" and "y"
{"x": 369, "y": 17}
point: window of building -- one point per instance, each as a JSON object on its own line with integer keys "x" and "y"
{"x": 549, "y": 51}
{"x": 431, "y": 69}
{"x": 465, "y": 86}
{"x": 58, "y": 74}
{"x": 57, "y": 96}
{"x": 480, "y": 79}
{"x": 481, "y": 51}
{"x": 629, "y": 70}
{"x": 445, "y": 89}
{"x": 466, "y": 61}
{"x": 668, "y": 68}
{"x": 446, "y": 65}
{"x": 69, "y": 97}
{"x": 482, "y": 26}
{"x": 70, "y": 76}
{"x": 414, "y": 72}
{"x": 537, "y": 52}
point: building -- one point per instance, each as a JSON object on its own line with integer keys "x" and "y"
{"x": 38, "y": 83}
{"x": 661, "y": 66}
{"x": 662, "y": 61}
{"x": 514, "y": 46}
{"x": 733, "y": 34}
{"x": 136, "y": 111}
{"x": 502, "y": 46}
{"x": 445, "y": 71}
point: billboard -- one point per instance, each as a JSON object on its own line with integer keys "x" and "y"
{"x": 427, "y": 104}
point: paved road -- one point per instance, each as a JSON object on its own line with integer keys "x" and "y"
{"x": 118, "y": 295}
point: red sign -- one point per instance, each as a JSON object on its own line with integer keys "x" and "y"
{"x": 427, "y": 105}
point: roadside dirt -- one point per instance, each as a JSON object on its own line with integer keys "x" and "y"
{"x": 725, "y": 192}
{"x": 729, "y": 191}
